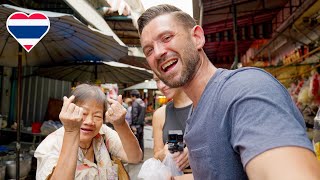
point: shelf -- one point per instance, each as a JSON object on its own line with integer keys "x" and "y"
{"x": 297, "y": 62}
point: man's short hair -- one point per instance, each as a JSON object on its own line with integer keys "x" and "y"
{"x": 135, "y": 93}
{"x": 162, "y": 9}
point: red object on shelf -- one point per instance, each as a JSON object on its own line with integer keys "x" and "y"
{"x": 36, "y": 127}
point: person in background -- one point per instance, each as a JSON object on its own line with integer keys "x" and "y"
{"x": 172, "y": 116}
{"x": 138, "y": 114}
{"x": 128, "y": 117}
{"x": 244, "y": 124}
{"x": 80, "y": 149}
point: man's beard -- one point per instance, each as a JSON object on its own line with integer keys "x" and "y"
{"x": 190, "y": 64}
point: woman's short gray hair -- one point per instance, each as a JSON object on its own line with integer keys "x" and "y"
{"x": 85, "y": 92}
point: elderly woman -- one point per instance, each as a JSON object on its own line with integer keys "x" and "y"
{"x": 80, "y": 149}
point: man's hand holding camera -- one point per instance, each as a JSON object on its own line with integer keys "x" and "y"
{"x": 177, "y": 148}
{"x": 181, "y": 158}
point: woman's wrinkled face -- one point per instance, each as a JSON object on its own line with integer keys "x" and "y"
{"x": 92, "y": 119}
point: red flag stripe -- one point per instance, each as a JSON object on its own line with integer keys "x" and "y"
{"x": 23, "y": 16}
{"x": 28, "y": 46}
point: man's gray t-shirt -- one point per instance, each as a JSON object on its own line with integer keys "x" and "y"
{"x": 241, "y": 114}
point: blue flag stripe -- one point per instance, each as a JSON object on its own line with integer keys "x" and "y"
{"x": 28, "y": 31}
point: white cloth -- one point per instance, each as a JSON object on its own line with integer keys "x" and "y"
{"x": 48, "y": 152}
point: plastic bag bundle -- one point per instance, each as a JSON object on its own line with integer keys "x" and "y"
{"x": 171, "y": 164}
{"x": 154, "y": 169}
{"x": 50, "y": 126}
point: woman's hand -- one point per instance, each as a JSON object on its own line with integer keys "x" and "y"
{"x": 116, "y": 112}
{"x": 165, "y": 151}
{"x": 71, "y": 115}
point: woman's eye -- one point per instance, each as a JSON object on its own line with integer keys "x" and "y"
{"x": 167, "y": 38}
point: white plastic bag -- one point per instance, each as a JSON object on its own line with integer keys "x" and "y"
{"x": 154, "y": 169}
{"x": 50, "y": 126}
{"x": 171, "y": 164}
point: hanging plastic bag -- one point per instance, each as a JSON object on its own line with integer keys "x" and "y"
{"x": 171, "y": 164}
{"x": 154, "y": 169}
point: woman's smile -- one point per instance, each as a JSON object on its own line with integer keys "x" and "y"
{"x": 86, "y": 130}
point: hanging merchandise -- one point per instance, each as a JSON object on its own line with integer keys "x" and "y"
{"x": 314, "y": 90}
{"x": 303, "y": 97}
{"x": 298, "y": 87}
{"x": 306, "y": 92}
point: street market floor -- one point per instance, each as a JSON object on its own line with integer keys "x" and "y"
{"x": 133, "y": 169}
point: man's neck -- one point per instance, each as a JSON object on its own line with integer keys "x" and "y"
{"x": 196, "y": 86}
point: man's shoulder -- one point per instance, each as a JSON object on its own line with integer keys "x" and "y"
{"x": 246, "y": 72}
{"x": 252, "y": 74}
{"x": 135, "y": 103}
{"x": 244, "y": 78}
{"x": 139, "y": 102}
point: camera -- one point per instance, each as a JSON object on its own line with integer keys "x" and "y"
{"x": 175, "y": 141}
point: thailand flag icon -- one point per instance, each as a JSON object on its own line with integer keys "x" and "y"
{"x": 28, "y": 30}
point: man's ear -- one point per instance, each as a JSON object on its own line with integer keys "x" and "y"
{"x": 198, "y": 35}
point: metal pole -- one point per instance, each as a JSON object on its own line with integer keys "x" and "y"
{"x": 95, "y": 71}
{"x": 18, "y": 146}
{"x": 235, "y": 36}
{"x": 201, "y": 13}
